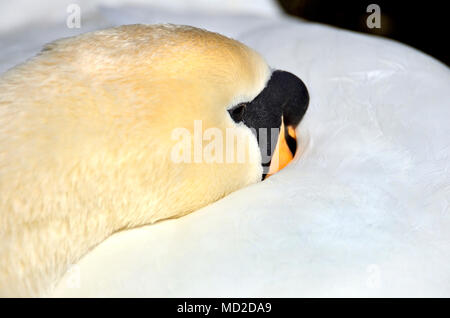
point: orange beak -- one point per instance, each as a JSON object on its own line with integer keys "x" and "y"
{"x": 282, "y": 155}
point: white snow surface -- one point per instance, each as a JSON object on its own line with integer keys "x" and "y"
{"x": 362, "y": 211}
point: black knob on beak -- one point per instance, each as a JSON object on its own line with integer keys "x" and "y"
{"x": 285, "y": 98}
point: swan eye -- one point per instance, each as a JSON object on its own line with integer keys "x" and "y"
{"x": 237, "y": 112}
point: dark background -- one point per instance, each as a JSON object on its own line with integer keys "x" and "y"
{"x": 421, "y": 24}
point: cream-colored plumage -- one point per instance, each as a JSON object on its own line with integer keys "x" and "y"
{"x": 85, "y": 140}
